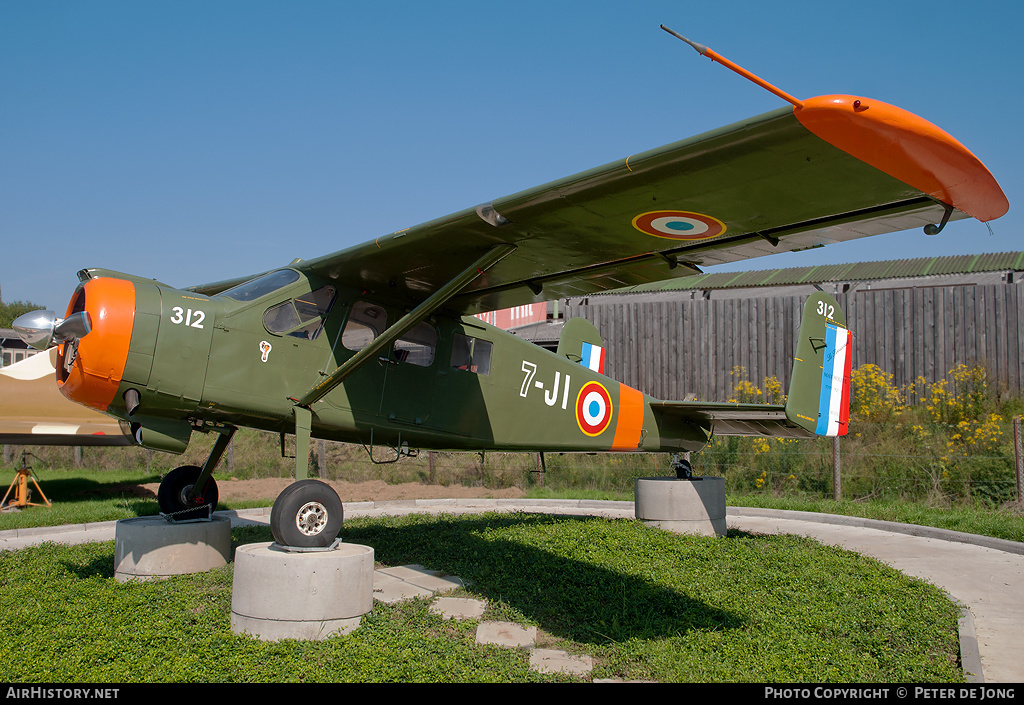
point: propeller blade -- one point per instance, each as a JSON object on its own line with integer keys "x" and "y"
{"x": 75, "y": 326}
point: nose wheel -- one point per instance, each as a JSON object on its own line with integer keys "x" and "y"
{"x": 175, "y": 488}
{"x": 307, "y": 514}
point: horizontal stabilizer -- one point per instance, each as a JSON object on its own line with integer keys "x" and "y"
{"x": 728, "y": 419}
{"x": 818, "y": 402}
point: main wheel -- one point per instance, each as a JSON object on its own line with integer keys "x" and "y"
{"x": 174, "y": 488}
{"x": 307, "y": 514}
{"x": 684, "y": 471}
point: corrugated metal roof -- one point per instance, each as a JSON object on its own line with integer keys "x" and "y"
{"x": 854, "y": 271}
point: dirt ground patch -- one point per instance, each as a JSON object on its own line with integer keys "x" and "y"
{"x": 372, "y": 491}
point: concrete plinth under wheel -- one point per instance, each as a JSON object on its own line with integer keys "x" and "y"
{"x": 152, "y": 547}
{"x": 694, "y": 506}
{"x": 279, "y": 594}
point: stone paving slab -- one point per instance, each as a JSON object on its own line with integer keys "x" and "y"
{"x": 405, "y": 572}
{"x": 507, "y": 634}
{"x": 397, "y": 591}
{"x": 437, "y": 583}
{"x": 458, "y": 607}
{"x": 556, "y": 661}
{"x": 405, "y": 582}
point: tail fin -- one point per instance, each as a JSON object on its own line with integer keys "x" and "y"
{"x": 819, "y": 388}
{"x": 580, "y": 342}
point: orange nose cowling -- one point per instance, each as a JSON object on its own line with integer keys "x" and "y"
{"x": 98, "y": 364}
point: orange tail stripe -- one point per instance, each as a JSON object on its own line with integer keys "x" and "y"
{"x": 630, "y": 422}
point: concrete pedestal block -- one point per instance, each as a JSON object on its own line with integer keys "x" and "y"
{"x": 152, "y": 547}
{"x": 694, "y": 506}
{"x": 280, "y": 594}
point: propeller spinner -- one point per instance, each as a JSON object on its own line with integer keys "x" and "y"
{"x": 40, "y": 329}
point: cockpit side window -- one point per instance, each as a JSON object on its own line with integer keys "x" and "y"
{"x": 261, "y": 286}
{"x": 365, "y": 323}
{"x": 471, "y": 354}
{"x": 301, "y": 317}
{"x": 418, "y": 345}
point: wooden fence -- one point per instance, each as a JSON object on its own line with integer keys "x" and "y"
{"x": 671, "y": 349}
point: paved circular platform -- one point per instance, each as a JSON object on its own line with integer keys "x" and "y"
{"x": 152, "y": 547}
{"x": 683, "y": 506}
{"x": 281, "y": 594}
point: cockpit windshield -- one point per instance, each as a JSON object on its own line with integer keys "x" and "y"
{"x": 262, "y": 285}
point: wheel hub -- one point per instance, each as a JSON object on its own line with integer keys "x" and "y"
{"x": 183, "y": 495}
{"x": 311, "y": 518}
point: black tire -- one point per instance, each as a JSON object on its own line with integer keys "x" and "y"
{"x": 307, "y": 514}
{"x": 174, "y": 487}
{"x": 684, "y": 471}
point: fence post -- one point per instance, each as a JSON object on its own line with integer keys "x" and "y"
{"x": 837, "y": 492}
{"x": 1018, "y": 459}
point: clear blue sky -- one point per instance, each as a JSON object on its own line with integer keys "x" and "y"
{"x": 191, "y": 141}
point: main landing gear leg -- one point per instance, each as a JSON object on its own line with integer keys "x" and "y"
{"x": 684, "y": 471}
{"x": 307, "y": 513}
{"x": 190, "y": 492}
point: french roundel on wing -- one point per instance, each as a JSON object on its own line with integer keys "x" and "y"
{"x": 593, "y": 408}
{"x": 679, "y": 225}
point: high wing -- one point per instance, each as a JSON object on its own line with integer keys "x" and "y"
{"x": 832, "y": 169}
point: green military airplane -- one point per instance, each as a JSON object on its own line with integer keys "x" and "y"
{"x": 377, "y": 344}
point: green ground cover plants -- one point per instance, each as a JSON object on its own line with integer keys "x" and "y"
{"x": 644, "y": 603}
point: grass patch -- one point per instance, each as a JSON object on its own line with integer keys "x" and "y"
{"x": 646, "y": 604}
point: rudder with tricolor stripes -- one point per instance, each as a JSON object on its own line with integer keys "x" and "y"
{"x": 819, "y": 389}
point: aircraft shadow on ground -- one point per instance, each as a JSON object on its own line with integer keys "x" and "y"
{"x": 568, "y": 598}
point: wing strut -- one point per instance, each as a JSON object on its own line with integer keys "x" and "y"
{"x": 404, "y": 324}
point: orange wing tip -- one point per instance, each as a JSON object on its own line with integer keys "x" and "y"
{"x": 908, "y": 148}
